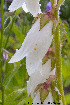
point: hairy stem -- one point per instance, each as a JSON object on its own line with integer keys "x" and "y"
{"x": 1, "y": 39}
{"x": 58, "y": 56}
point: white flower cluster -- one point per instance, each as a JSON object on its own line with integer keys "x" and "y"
{"x": 34, "y": 47}
{"x": 31, "y": 6}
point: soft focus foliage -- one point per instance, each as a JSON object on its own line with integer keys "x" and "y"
{"x": 15, "y": 75}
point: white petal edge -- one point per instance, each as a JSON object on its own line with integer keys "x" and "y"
{"x": 24, "y": 7}
{"x": 33, "y": 7}
{"x": 15, "y": 5}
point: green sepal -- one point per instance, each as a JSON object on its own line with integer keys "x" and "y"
{"x": 56, "y": 96}
{"x": 43, "y": 94}
{"x": 53, "y": 83}
{"x": 49, "y": 55}
{"x": 18, "y": 11}
{"x": 44, "y": 60}
{"x": 39, "y": 86}
{"x": 44, "y": 20}
{"x": 46, "y": 87}
{"x": 52, "y": 63}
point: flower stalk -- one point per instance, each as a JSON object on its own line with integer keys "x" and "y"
{"x": 1, "y": 39}
{"x": 9, "y": 32}
{"x": 58, "y": 55}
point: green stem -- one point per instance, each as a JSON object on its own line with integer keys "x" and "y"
{"x": 1, "y": 39}
{"x": 58, "y": 56}
{"x": 9, "y": 32}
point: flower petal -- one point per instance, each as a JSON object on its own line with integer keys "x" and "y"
{"x": 24, "y": 7}
{"x": 40, "y": 46}
{"x": 35, "y": 45}
{"x": 28, "y": 43}
{"x": 33, "y": 6}
{"x": 33, "y": 62}
{"x": 37, "y": 99}
{"x": 15, "y": 5}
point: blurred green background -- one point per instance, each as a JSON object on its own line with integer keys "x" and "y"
{"x": 15, "y": 75}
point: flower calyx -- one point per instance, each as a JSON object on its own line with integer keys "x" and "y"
{"x": 50, "y": 55}
{"x": 56, "y": 96}
{"x": 45, "y": 18}
{"x": 46, "y": 87}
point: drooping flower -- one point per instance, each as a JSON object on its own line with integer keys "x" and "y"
{"x": 31, "y": 6}
{"x": 35, "y": 46}
{"x": 40, "y": 87}
{"x": 37, "y": 77}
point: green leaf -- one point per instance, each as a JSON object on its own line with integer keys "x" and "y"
{"x": 22, "y": 102}
{"x": 9, "y": 76}
{"x": 20, "y": 75}
{"x": 28, "y": 100}
{"x": 7, "y": 71}
{"x": 67, "y": 82}
{"x": 65, "y": 68}
{"x": 16, "y": 77}
{"x": 67, "y": 32}
{"x": 67, "y": 97}
{"x": 56, "y": 96}
{"x": 18, "y": 33}
{"x": 15, "y": 95}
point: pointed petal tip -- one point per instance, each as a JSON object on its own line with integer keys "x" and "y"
{"x": 10, "y": 61}
{"x": 13, "y": 60}
{"x": 10, "y": 9}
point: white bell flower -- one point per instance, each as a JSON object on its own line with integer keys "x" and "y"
{"x": 49, "y": 99}
{"x": 37, "y": 78}
{"x": 31, "y": 6}
{"x": 35, "y": 46}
